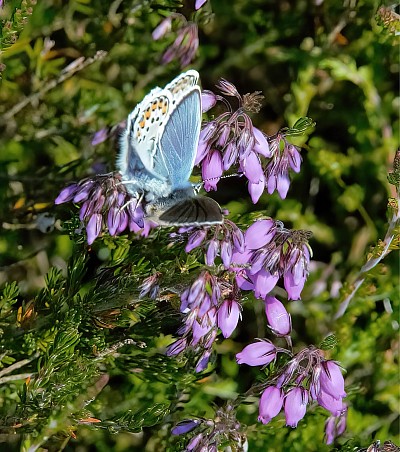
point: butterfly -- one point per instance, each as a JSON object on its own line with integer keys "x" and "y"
{"x": 158, "y": 150}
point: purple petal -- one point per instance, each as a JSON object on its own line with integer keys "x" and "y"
{"x": 176, "y": 347}
{"x": 208, "y": 100}
{"x": 293, "y": 289}
{"x": 100, "y": 136}
{"x": 252, "y": 168}
{"x": 264, "y": 282}
{"x": 261, "y": 146}
{"x": 162, "y": 28}
{"x": 212, "y": 170}
{"x": 277, "y": 316}
{"x": 113, "y": 219}
{"x": 330, "y": 430}
{"x": 256, "y": 190}
{"x": 331, "y": 379}
{"x": 185, "y": 426}
{"x": 257, "y": 354}
{"x": 294, "y": 158}
{"x": 212, "y": 250}
{"x": 334, "y": 406}
{"x": 198, "y": 4}
{"x": 226, "y": 253}
{"x": 195, "y": 240}
{"x": 282, "y": 184}
{"x": 228, "y": 316}
{"x": 66, "y": 194}
{"x": 230, "y": 155}
{"x": 295, "y": 406}
{"x": 259, "y": 234}
{"x": 203, "y": 361}
{"x": 93, "y": 227}
{"x": 270, "y": 404}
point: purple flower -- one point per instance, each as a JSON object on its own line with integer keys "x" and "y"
{"x": 334, "y": 406}
{"x": 295, "y": 406}
{"x": 93, "y": 227}
{"x": 252, "y": 168}
{"x": 66, "y": 194}
{"x": 198, "y": 4}
{"x": 195, "y": 240}
{"x": 331, "y": 380}
{"x": 100, "y": 136}
{"x": 270, "y": 404}
{"x": 278, "y": 318}
{"x": 162, "y": 28}
{"x": 277, "y": 171}
{"x": 177, "y": 347}
{"x": 259, "y": 234}
{"x": 296, "y": 270}
{"x": 194, "y": 442}
{"x": 203, "y": 361}
{"x": 261, "y": 145}
{"x": 208, "y": 100}
{"x": 185, "y": 426}
{"x": 212, "y": 170}
{"x": 330, "y": 430}
{"x": 257, "y": 354}
{"x": 228, "y": 316}
{"x": 256, "y": 189}
{"x": 264, "y": 282}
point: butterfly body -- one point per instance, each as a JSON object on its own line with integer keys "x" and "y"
{"x": 158, "y": 150}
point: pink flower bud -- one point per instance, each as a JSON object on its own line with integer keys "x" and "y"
{"x": 270, "y": 404}
{"x": 277, "y": 316}
{"x": 257, "y": 354}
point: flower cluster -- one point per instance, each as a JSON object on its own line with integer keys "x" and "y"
{"x": 185, "y": 46}
{"x": 271, "y": 252}
{"x": 307, "y": 377}
{"x": 208, "y": 304}
{"x": 105, "y": 200}
{"x": 224, "y": 428}
{"x": 231, "y": 138}
{"x": 223, "y": 240}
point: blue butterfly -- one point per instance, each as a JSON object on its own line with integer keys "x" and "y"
{"x": 158, "y": 150}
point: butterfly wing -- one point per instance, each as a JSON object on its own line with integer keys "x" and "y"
{"x": 193, "y": 211}
{"x": 138, "y": 159}
{"x": 180, "y": 135}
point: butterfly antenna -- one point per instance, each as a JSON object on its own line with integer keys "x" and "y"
{"x": 198, "y": 186}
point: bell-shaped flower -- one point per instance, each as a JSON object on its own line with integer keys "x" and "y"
{"x": 334, "y": 406}
{"x": 202, "y": 363}
{"x": 185, "y": 426}
{"x": 162, "y": 28}
{"x": 228, "y": 316}
{"x": 66, "y": 194}
{"x": 208, "y": 100}
{"x": 261, "y": 146}
{"x": 256, "y": 189}
{"x": 264, "y": 282}
{"x": 212, "y": 170}
{"x": 259, "y": 234}
{"x": 295, "y": 406}
{"x": 195, "y": 239}
{"x": 93, "y": 227}
{"x": 278, "y": 318}
{"x": 252, "y": 168}
{"x": 259, "y": 353}
{"x": 177, "y": 347}
{"x": 331, "y": 380}
{"x": 270, "y": 404}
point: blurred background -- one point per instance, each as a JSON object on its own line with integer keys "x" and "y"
{"x": 336, "y": 62}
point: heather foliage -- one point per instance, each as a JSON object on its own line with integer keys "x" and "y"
{"x": 275, "y": 330}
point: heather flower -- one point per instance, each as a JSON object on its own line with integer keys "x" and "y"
{"x": 277, "y": 170}
{"x": 295, "y": 405}
{"x": 270, "y": 252}
{"x": 228, "y": 315}
{"x": 100, "y": 136}
{"x": 150, "y": 286}
{"x": 212, "y": 170}
{"x": 270, "y": 404}
{"x": 331, "y": 379}
{"x": 334, "y": 406}
{"x": 208, "y": 100}
{"x": 223, "y": 240}
{"x": 104, "y": 201}
{"x": 198, "y": 4}
{"x": 233, "y": 135}
{"x": 185, "y": 46}
{"x": 259, "y": 353}
{"x": 278, "y": 318}
{"x": 185, "y": 426}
